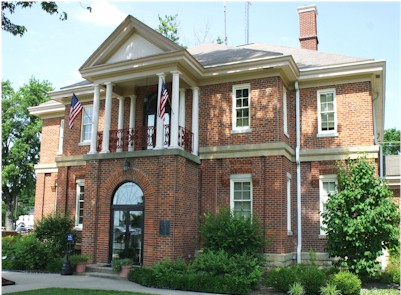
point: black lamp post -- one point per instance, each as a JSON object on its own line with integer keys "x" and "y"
{"x": 66, "y": 269}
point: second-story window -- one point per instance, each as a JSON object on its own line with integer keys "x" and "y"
{"x": 327, "y": 117}
{"x": 285, "y": 122}
{"x": 241, "y": 107}
{"x": 86, "y": 131}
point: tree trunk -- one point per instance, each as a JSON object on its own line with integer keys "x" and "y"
{"x": 9, "y": 220}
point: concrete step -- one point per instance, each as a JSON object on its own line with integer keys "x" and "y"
{"x": 100, "y": 268}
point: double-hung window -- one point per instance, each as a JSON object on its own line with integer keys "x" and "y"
{"x": 241, "y": 108}
{"x": 241, "y": 194}
{"x": 86, "y": 129}
{"x": 327, "y": 112}
{"x": 327, "y": 186}
{"x": 79, "y": 213}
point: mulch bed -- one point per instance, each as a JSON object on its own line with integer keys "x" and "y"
{"x": 5, "y": 282}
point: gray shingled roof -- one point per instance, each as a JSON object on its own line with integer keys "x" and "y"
{"x": 214, "y": 54}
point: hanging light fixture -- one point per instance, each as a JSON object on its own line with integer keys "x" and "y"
{"x": 127, "y": 165}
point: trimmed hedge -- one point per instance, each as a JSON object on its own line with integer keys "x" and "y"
{"x": 216, "y": 272}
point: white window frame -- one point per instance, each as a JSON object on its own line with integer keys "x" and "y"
{"x": 285, "y": 120}
{"x": 61, "y": 138}
{"x": 235, "y": 128}
{"x": 240, "y": 178}
{"x": 326, "y": 133}
{"x": 79, "y": 184}
{"x": 84, "y": 114}
{"x": 289, "y": 228}
{"x": 323, "y": 196}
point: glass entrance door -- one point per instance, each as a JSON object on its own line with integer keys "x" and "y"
{"x": 127, "y": 223}
{"x": 127, "y": 235}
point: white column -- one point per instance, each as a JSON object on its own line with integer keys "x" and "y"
{"x": 174, "y": 110}
{"x": 131, "y": 123}
{"x": 120, "y": 126}
{"x": 107, "y": 118}
{"x": 181, "y": 117}
{"x": 95, "y": 119}
{"x": 159, "y": 121}
{"x": 195, "y": 119}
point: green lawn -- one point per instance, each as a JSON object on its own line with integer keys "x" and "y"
{"x": 63, "y": 291}
{"x": 381, "y": 292}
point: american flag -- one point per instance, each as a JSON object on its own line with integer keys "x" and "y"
{"x": 75, "y": 109}
{"x": 163, "y": 101}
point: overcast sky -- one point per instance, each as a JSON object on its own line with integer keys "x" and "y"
{"x": 54, "y": 50}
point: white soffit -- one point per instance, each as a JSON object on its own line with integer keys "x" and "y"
{"x": 133, "y": 48}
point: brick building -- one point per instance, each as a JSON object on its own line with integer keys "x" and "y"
{"x": 256, "y": 128}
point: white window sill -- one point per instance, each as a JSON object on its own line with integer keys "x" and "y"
{"x": 239, "y": 131}
{"x": 289, "y": 233}
{"x": 286, "y": 134}
{"x": 78, "y": 227}
{"x": 322, "y": 237}
{"x": 83, "y": 143}
{"x": 331, "y": 134}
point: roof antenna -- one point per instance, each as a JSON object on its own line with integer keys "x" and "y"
{"x": 247, "y": 4}
{"x": 225, "y": 24}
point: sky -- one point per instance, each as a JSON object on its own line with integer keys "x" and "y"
{"x": 54, "y": 50}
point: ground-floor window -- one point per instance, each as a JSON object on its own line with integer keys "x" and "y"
{"x": 241, "y": 194}
{"x": 327, "y": 186}
{"x": 79, "y": 213}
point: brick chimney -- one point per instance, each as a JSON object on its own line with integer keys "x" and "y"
{"x": 307, "y": 27}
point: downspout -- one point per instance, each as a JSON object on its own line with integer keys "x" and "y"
{"x": 298, "y": 162}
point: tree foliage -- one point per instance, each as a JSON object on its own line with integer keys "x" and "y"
{"x": 8, "y": 7}
{"x": 20, "y": 143}
{"x": 361, "y": 218}
{"x": 168, "y": 27}
{"x": 391, "y": 142}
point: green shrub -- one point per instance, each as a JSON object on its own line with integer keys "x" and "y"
{"x": 8, "y": 251}
{"x": 329, "y": 289}
{"x": 281, "y": 278}
{"x": 311, "y": 277}
{"x": 74, "y": 259}
{"x": 30, "y": 254}
{"x": 296, "y": 289}
{"x": 55, "y": 264}
{"x": 232, "y": 233}
{"x": 52, "y": 230}
{"x": 210, "y": 272}
{"x": 142, "y": 276}
{"x": 348, "y": 283}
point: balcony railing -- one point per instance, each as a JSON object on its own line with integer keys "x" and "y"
{"x": 143, "y": 138}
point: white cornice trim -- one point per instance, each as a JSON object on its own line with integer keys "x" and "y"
{"x": 247, "y": 150}
{"x": 51, "y": 109}
{"x": 334, "y": 154}
{"x": 46, "y": 168}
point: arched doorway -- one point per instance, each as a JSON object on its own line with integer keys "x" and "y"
{"x": 127, "y": 220}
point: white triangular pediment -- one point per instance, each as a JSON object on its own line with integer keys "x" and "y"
{"x": 131, "y": 40}
{"x": 133, "y": 48}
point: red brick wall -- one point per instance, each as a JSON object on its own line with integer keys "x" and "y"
{"x": 50, "y": 138}
{"x": 170, "y": 186}
{"x": 45, "y": 195}
{"x": 269, "y": 176}
{"x": 354, "y": 117}
{"x": 215, "y": 113}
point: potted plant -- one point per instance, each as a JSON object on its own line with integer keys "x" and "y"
{"x": 123, "y": 266}
{"x": 79, "y": 262}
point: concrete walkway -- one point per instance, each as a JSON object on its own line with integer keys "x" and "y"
{"x": 31, "y": 281}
